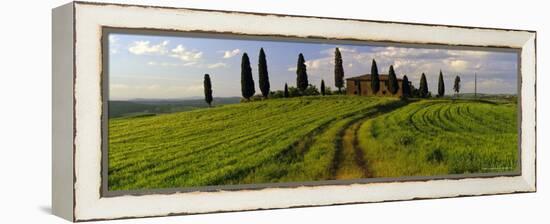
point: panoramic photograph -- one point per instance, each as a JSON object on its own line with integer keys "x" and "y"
{"x": 197, "y": 111}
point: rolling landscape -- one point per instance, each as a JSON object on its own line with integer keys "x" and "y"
{"x": 312, "y": 138}
{"x": 309, "y": 121}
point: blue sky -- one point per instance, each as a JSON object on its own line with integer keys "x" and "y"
{"x": 167, "y": 67}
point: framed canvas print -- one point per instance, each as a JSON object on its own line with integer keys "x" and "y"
{"x": 165, "y": 111}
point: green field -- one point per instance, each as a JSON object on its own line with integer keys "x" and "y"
{"x": 437, "y": 137}
{"x": 309, "y": 139}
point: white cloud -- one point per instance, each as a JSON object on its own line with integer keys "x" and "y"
{"x": 190, "y": 63}
{"x": 186, "y": 55}
{"x": 217, "y": 65}
{"x": 316, "y": 64}
{"x": 146, "y": 48}
{"x": 457, "y": 64}
{"x": 330, "y": 51}
{"x": 113, "y": 44}
{"x": 169, "y": 64}
{"x": 113, "y": 39}
{"x": 231, "y": 53}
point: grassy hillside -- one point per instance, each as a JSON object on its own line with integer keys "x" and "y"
{"x": 438, "y": 137}
{"x": 265, "y": 141}
{"x": 309, "y": 139}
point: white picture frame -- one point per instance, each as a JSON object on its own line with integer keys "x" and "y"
{"x": 77, "y": 110}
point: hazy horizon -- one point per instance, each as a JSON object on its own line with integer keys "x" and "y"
{"x": 167, "y": 67}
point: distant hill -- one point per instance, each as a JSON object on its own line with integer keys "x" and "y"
{"x": 484, "y": 95}
{"x": 144, "y": 107}
{"x": 503, "y": 97}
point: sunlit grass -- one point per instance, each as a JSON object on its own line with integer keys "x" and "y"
{"x": 245, "y": 143}
{"x": 437, "y": 137}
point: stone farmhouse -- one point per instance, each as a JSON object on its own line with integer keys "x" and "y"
{"x": 361, "y": 86}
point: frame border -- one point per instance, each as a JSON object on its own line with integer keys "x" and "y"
{"x": 85, "y": 212}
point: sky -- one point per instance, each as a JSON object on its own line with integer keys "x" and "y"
{"x": 173, "y": 67}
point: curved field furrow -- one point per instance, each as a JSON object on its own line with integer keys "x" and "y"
{"x": 438, "y": 137}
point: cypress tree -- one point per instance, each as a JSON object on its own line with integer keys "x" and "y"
{"x": 286, "y": 91}
{"x": 338, "y": 71}
{"x": 423, "y": 86}
{"x": 406, "y": 88}
{"x": 207, "y": 90}
{"x": 375, "y": 80}
{"x": 322, "y": 87}
{"x": 247, "y": 82}
{"x": 301, "y": 73}
{"x": 440, "y": 85}
{"x": 393, "y": 85}
{"x": 262, "y": 72}
{"x": 456, "y": 87}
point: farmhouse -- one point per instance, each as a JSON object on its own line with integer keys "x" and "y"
{"x": 361, "y": 86}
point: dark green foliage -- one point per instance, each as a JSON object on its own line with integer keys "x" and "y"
{"x": 375, "y": 80}
{"x": 294, "y": 92}
{"x": 338, "y": 70}
{"x": 456, "y": 86}
{"x": 207, "y": 89}
{"x": 323, "y": 86}
{"x": 440, "y": 85}
{"x": 247, "y": 82}
{"x": 311, "y": 90}
{"x": 435, "y": 156}
{"x": 393, "y": 85}
{"x": 257, "y": 97}
{"x": 286, "y": 91}
{"x": 406, "y": 87}
{"x": 414, "y": 91}
{"x": 301, "y": 73}
{"x": 263, "y": 76}
{"x": 423, "y": 89}
{"x": 276, "y": 94}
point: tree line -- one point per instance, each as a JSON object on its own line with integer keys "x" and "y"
{"x": 408, "y": 89}
{"x": 304, "y": 88}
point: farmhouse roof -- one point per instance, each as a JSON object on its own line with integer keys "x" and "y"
{"x": 367, "y": 77}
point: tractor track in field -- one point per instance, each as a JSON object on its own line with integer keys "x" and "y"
{"x": 349, "y": 162}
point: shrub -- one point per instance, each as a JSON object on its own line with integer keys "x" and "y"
{"x": 435, "y": 156}
{"x": 277, "y": 94}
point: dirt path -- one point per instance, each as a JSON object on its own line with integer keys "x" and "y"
{"x": 350, "y": 161}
